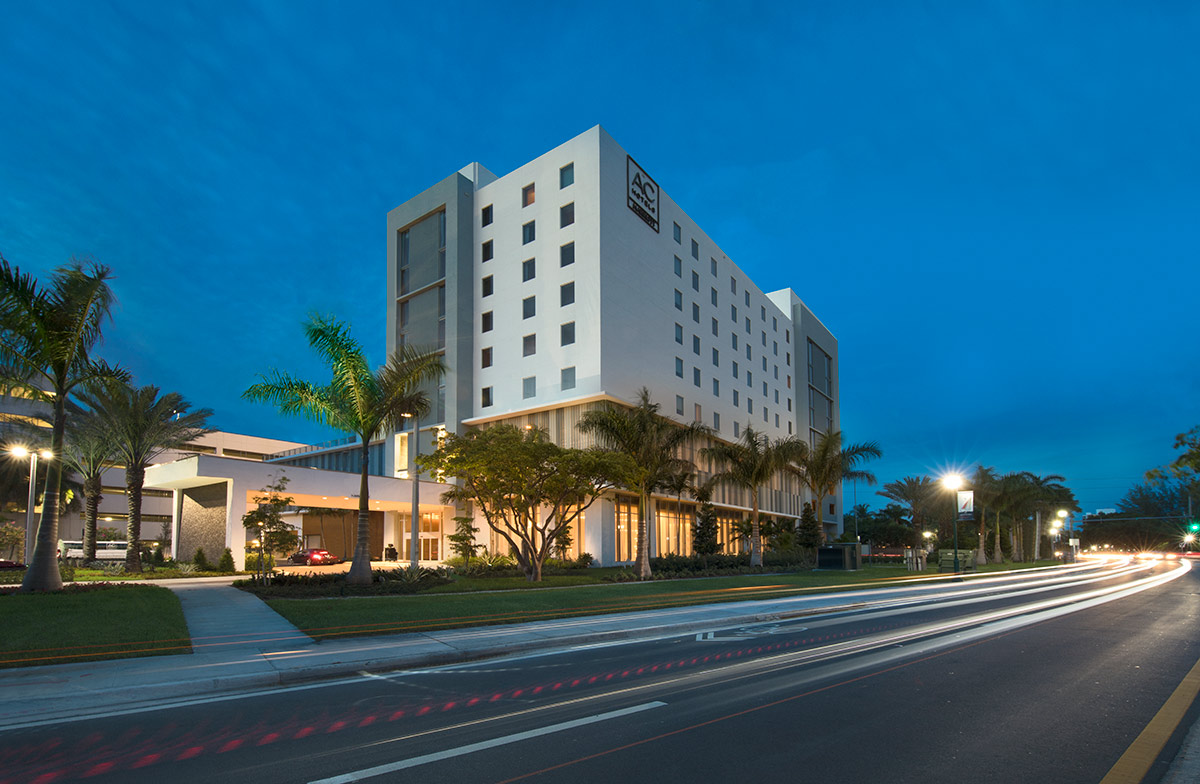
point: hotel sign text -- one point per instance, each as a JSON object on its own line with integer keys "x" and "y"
{"x": 641, "y": 193}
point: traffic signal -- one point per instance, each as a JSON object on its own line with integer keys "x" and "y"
{"x": 1194, "y": 526}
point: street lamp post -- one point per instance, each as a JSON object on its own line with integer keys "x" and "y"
{"x": 953, "y": 482}
{"x": 30, "y": 530}
{"x": 1061, "y": 514}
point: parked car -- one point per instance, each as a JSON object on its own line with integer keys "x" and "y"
{"x": 314, "y": 557}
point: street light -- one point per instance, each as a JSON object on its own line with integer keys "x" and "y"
{"x": 953, "y": 482}
{"x": 1063, "y": 521}
{"x": 20, "y": 453}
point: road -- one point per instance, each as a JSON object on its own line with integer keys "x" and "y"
{"x": 1031, "y": 680}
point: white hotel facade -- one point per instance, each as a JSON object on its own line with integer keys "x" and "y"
{"x": 574, "y": 281}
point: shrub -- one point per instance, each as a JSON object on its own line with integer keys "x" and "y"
{"x": 159, "y": 559}
{"x": 201, "y": 561}
{"x": 186, "y": 568}
{"x": 584, "y": 560}
{"x": 113, "y": 568}
{"x": 66, "y": 570}
{"x": 226, "y": 562}
{"x": 252, "y": 562}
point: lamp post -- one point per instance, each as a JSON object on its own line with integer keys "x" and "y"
{"x": 1061, "y": 514}
{"x": 953, "y": 482}
{"x": 21, "y": 452}
{"x": 415, "y": 512}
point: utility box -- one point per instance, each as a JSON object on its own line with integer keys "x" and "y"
{"x": 966, "y": 560}
{"x": 840, "y": 555}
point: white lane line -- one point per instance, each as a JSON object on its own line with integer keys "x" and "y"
{"x": 425, "y": 759}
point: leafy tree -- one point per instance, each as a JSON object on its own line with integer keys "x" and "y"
{"x": 704, "y": 527}
{"x": 462, "y": 541}
{"x": 751, "y": 462}
{"x": 918, "y": 493}
{"x": 12, "y": 539}
{"x": 810, "y": 533}
{"x": 827, "y": 464}
{"x": 527, "y": 488}
{"x": 46, "y": 338}
{"x": 356, "y": 400}
{"x": 89, "y": 453}
{"x": 265, "y": 523}
{"x": 140, "y": 424}
{"x": 651, "y": 442}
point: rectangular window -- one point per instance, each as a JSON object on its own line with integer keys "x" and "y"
{"x": 733, "y": 314}
{"x": 567, "y": 333}
{"x": 528, "y": 233}
{"x": 528, "y": 269}
{"x": 679, "y": 334}
{"x": 713, "y": 297}
{"x": 678, "y": 240}
{"x": 678, "y": 267}
{"x": 789, "y": 427}
{"x": 716, "y": 387}
{"x": 529, "y": 307}
{"x": 679, "y": 404}
{"x": 566, "y": 254}
{"x": 485, "y": 398}
{"x": 695, "y": 345}
{"x": 716, "y": 358}
{"x": 747, "y": 325}
{"x": 695, "y": 250}
{"x": 695, "y": 313}
{"x": 764, "y": 339}
{"x": 789, "y": 404}
{"x": 775, "y": 348}
{"x": 747, "y": 293}
{"x": 774, "y": 324}
{"x": 485, "y": 357}
{"x": 735, "y": 397}
{"x": 487, "y": 286}
{"x": 529, "y": 345}
{"x": 764, "y": 385}
{"x": 487, "y": 251}
{"x": 714, "y": 267}
{"x": 789, "y": 359}
{"x": 568, "y": 376}
{"x": 487, "y": 322}
{"x": 750, "y": 405}
{"x": 735, "y": 370}
{"x": 776, "y": 397}
{"x": 678, "y": 367}
{"x": 695, "y": 281}
{"x": 528, "y": 387}
{"x": 763, "y": 312}
{"x": 566, "y": 176}
{"x": 696, "y": 376}
{"x": 749, "y": 379}
{"x": 734, "y": 336}
{"x": 735, "y": 429}
{"x": 566, "y": 215}
{"x": 527, "y": 195}
{"x": 716, "y": 421}
{"x": 715, "y": 329}
{"x": 747, "y": 351}
{"x": 764, "y": 364}
{"x": 733, "y": 285}
{"x": 698, "y": 414}
{"x": 485, "y": 216}
{"x": 566, "y": 294}
{"x": 678, "y": 299}
{"x": 787, "y": 336}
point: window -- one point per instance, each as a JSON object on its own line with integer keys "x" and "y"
{"x": 695, "y": 345}
{"x": 695, "y": 281}
{"x": 528, "y": 269}
{"x": 713, "y": 297}
{"x": 789, "y": 404}
{"x": 716, "y": 421}
{"x": 747, "y": 293}
{"x": 764, "y": 385}
{"x": 787, "y": 336}
{"x": 696, "y": 376}
{"x": 679, "y": 240}
{"x": 528, "y": 233}
{"x": 763, "y": 312}
{"x": 733, "y": 335}
{"x": 678, "y": 267}
{"x": 487, "y": 251}
{"x": 750, "y": 405}
{"x": 487, "y": 286}
{"x": 566, "y": 176}
{"x": 715, "y": 329}
{"x": 774, "y": 324}
{"x": 487, "y": 322}
{"x": 529, "y": 307}
{"x": 764, "y": 339}
{"x": 566, "y": 254}
{"x": 749, "y": 379}
{"x": 764, "y": 363}
{"x": 567, "y": 333}
{"x": 714, "y": 267}
{"x": 528, "y": 387}
{"x": 566, "y": 294}
{"x": 735, "y": 397}
{"x": 747, "y": 351}
{"x": 775, "y": 348}
{"x": 789, "y": 359}
{"x": 748, "y": 325}
{"x": 527, "y": 195}
{"x": 716, "y": 387}
{"x": 485, "y": 216}
{"x": 679, "y": 334}
{"x": 716, "y": 358}
{"x": 679, "y": 404}
{"x": 735, "y": 370}
{"x": 735, "y": 430}
{"x": 566, "y": 215}
{"x": 529, "y": 345}
{"x": 733, "y": 285}
{"x": 485, "y": 397}
{"x": 776, "y": 369}
{"x": 678, "y": 367}
{"x": 733, "y": 313}
{"x": 695, "y": 313}
{"x": 485, "y": 357}
{"x": 789, "y": 427}
{"x": 678, "y": 299}
{"x": 567, "y": 380}
{"x": 699, "y": 414}
{"x": 776, "y": 397}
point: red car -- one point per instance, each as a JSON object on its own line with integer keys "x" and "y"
{"x": 314, "y": 557}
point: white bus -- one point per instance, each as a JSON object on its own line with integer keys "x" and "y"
{"x": 105, "y": 551}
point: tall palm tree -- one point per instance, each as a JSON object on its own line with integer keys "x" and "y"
{"x": 751, "y": 462}
{"x": 918, "y": 493}
{"x": 89, "y": 453}
{"x": 1015, "y": 500}
{"x": 46, "y": 338}
{"x": 357, "y": 401}
{"x": 985, "y": 484}
{"x": 652, "y": 441}
{"x": 140, "y": 424}
{"x": 827, "y": 464}
{"x": 1046, "y": 491}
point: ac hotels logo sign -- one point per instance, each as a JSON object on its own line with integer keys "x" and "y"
{"x": 641, "y": 193}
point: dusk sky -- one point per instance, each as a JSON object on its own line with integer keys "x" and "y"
{"x": 995, "y": 208}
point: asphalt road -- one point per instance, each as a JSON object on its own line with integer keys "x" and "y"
{"x": 1031, "y": 684}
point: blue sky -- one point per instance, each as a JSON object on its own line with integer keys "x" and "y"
{"x": 993, "y": 207}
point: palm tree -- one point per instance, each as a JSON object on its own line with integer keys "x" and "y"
{"x": 915, "y": 491}
{"x": 652, "y": 441}
{"x": 89, "y": 453}
{"x": 357, "y": 401}
{"x": 140, "y": 424}
{"x": 751, "y": 462}
{"x": 1046, "y": 491}
{"x": 985, "y": 484}
{"x": 1015, "y": 500}
{"x": 827, "y": 464}
{"x": 46, "y": 338}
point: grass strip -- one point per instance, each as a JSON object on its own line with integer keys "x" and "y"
{"x": 105, "y": 622}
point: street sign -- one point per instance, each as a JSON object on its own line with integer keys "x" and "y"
{"x": 966, "y": 504}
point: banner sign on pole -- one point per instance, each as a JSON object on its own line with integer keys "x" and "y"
{"x": 966, "y": 504}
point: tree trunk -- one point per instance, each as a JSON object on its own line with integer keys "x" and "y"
{"x": 981, "y": 553}
{"x": 43, "y": 574}
{"x": 1037, "y": 537}
{"x": 646, "y": 508}
{"x": 135, "y": 477}
{"x": 998, "y": 555}
{"x": 360, "y": 567}
{"x": 91, "y": 511}
{"x": 755, "y": 531}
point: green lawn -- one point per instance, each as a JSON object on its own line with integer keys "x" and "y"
{"x": 114, "y": 622}
{"x": 463, "y": 603}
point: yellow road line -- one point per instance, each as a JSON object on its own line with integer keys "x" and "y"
{"x": 1135, "y": 763}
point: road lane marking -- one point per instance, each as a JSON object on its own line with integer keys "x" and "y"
{"x": 425, "y": 759}
{"x": 1137, "y": 760}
